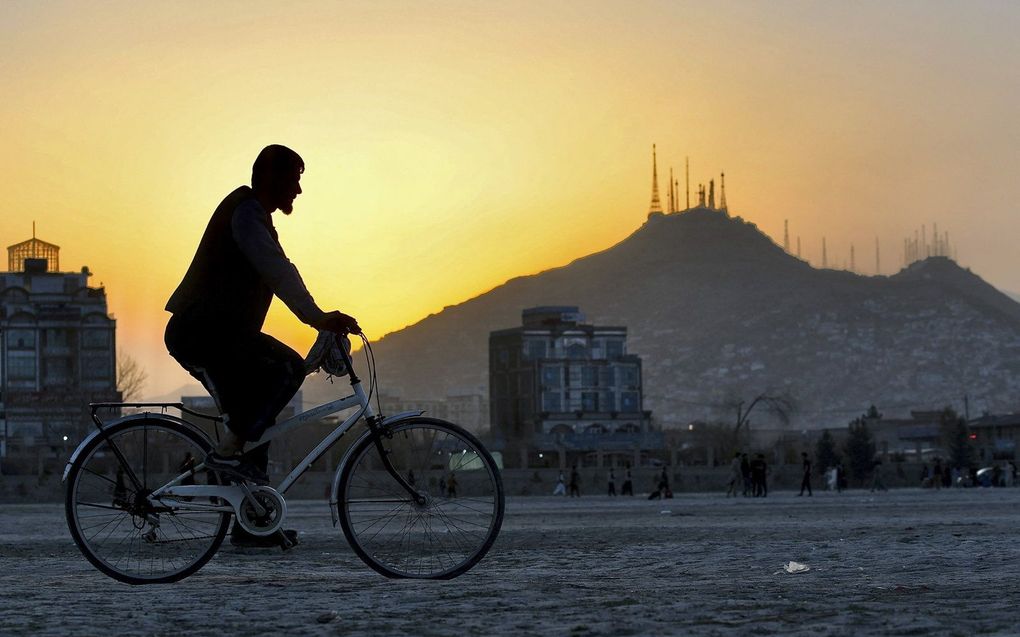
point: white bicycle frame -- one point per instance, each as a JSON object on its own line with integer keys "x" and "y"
{"x": 235, "y": 495}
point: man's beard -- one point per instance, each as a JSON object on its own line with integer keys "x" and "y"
{"x": 287, "y": 208}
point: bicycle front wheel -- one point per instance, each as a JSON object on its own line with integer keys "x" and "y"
{"x": 454, "y": 523}
{"x": 110, "y": 517}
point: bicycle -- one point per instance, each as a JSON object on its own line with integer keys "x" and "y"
{"x": 141, "y": 520}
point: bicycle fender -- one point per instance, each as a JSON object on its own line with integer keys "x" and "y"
{"x": 99, "y": 432}
{"x": 335, "y": 487}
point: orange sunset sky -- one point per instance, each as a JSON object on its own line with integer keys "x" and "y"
{"x": 453, "y": 145}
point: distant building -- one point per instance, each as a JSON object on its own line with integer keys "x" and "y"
{"x": 470, "y": 411}
{"x": 57, "y": 354}
{"x": 560, "y": 386}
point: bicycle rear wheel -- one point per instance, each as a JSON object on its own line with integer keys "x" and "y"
{"x": 439, "y": 538}
{"x": 111, "y": 519}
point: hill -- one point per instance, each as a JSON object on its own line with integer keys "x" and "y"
{"x": 719, "y": 313}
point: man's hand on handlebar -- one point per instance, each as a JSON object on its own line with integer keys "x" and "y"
{"x": 339, "y": 323}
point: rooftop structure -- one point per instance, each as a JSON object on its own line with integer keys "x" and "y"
{"x": 57, "y": 353}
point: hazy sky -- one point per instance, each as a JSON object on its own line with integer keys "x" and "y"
{"x": 453, "y": 145}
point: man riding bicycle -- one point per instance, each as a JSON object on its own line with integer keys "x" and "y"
{"x": 218, "y": 310}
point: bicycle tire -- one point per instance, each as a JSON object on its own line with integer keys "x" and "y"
{"x": 440, "y": 539}
{"x": 122, "y": 551}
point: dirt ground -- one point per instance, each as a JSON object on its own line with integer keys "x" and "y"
{"x": 906, "y": 562}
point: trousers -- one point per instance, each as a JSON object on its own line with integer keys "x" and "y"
{"x": 251, "y": 375}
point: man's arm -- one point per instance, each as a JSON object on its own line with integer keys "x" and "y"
{"x": 267, "y": 257}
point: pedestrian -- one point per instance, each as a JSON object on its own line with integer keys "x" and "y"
{"x": 736, "y": 476}
{"x": 805, "y": 481}
{"x": 451, "y": 486}
{"x": 745, "y": 471}
{"x": 936, "y": 474}
{"x": 759, "y": 471}
{"x": 575, "y": 482}
{"x": 561, "y": 485}
{"x": 876, "y": 477}
{"x": 664, "y": 484}
{"x": 612, "y": 482}
{"x": 628, "y": 484}
{"x": 840, "y": 477}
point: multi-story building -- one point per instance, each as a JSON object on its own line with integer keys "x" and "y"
{"x": 559, "y": 385}
{"x": 57, "y": 354}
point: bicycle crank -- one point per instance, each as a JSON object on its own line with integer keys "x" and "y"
{"x": 262, "y": 512}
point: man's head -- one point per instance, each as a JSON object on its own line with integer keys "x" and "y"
{"x": 276, "y": 177}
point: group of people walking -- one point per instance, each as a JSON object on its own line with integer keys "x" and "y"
{"x": 573, "y": 487}
{"x": 749, "y": 476}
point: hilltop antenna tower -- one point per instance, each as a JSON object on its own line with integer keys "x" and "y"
{"x": 711, "y": 193}
{"x": 656, "y": 206}
{"x": 853, "y": 264}
{"x": 672, "y": 199}
{"x": 825, "y": 256}
{"x": 687, "y": 170}
{"x": 878, "y": 263}
{"x": 722, "y": 195}
{"x": 798, "y": 246}
{"x": 786, "y": 235}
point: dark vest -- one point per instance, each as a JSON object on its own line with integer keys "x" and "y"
{"x": 221, "y": 290}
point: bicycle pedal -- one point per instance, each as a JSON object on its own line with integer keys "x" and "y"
{"x": 285, "y": 543}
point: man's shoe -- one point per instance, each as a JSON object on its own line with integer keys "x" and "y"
{"x": 245, "y": 540}
{"x": 235, "y": 467}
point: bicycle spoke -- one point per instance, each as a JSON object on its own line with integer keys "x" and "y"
{"x": 126, "y": 536}
{"x": 440, "y": 536}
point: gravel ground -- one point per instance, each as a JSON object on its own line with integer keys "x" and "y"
{"x": 906, "y": 562}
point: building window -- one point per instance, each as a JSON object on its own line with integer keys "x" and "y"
{"x": 534, "y": 350}
{"x": 95, "y": 368}
{"x": 56, "y": 338}
{"x": 95, "y": 339}
{"x": 574, "y": 347}
{"x": 589, "y": 401}
{"x": 605, "y": 376}
{"x": 607, "y": 401}
{"x": 629, "y": 401}
{"x": 628, "y": 376}
{"x": 21, "y": 368}
{"x": 552, "y": 401}
{"x": 56, "y": 371}
{"x": 21, "y": 339}
{"x": 614, "y": 348}
{"x": 589, "y": 376}
{"x": 552, "y": 375}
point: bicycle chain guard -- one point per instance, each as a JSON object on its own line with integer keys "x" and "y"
{"x": 267, "y": 522}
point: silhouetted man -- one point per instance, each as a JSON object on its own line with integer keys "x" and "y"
{"x": 219, "y": 308}
{"x": 759, "y": 476}
{"x": 805, "y": 482}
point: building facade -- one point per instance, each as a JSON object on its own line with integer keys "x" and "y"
{"x": 562, "y": 387}
{"x": 57, "y": 354}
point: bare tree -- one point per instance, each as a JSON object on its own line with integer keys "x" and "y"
{"x": 131, "y": 378}
{"x": 781, "y": 406}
